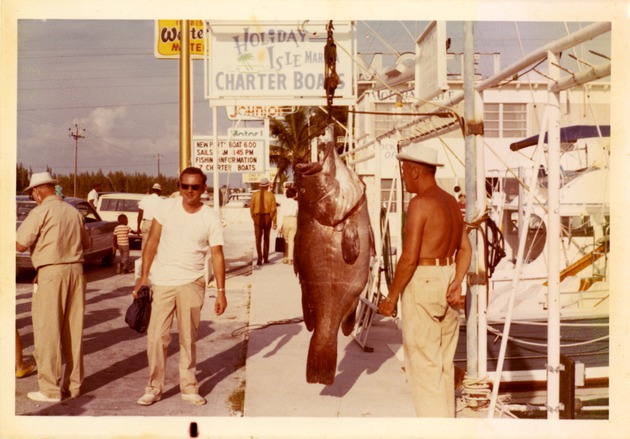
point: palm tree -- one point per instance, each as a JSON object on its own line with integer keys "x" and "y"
{"x": 294, "y": 134}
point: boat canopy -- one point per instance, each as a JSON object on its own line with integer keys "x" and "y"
{"x": 567, "y": 135}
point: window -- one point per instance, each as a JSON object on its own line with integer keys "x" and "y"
{"x": 505, "y": 120}
{"x": 386, "y": 186}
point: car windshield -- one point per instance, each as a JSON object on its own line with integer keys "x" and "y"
{"x": 23, "y": 208}
{"x": 119, "y": 205}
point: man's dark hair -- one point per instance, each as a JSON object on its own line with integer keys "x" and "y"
{"x": 194, "y": 171}
{"x": 121, "y": 217}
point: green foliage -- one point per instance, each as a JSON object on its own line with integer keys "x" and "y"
{"x": 111, "y": 182}
{"x": 295, "y": 132}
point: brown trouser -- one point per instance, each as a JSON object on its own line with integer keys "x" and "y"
{"x": 58, "y": 308}
{"x": 262, "y": 230}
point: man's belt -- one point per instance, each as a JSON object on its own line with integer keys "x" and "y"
{"x": 436, "y": 262}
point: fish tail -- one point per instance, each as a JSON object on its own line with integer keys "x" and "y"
{"x": 321, "y": 363}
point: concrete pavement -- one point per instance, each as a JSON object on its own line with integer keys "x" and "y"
{"x": 259, "y": 345}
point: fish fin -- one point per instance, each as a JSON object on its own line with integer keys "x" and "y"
{"x": 307, "y": 310}
{"x": 347, "y": 324}
{"x": 321, "y": 363}
{"x": 350, "y": 243}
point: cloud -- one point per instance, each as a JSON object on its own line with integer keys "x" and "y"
{"x": 104, "y": 122}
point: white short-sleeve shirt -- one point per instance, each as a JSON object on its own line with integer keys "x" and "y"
{"x": 184, "y": 243}
{"x": 149, "y": 204}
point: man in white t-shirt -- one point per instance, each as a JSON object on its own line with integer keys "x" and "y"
{"x": 146, "y": 210}
{"x": 92, "y": 196}
{"x": 182, "y": 233}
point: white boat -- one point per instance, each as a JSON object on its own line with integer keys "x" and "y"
{"x": 584, "y": 260}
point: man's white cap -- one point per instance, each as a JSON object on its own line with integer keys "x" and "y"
{"x": 419, "y": 153}
{"x": 157, "y": 187}
{"x": 39, "y": 179}
{"x": 264, "y": 182}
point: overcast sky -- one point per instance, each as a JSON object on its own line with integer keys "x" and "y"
{"x": 102, "y": 75}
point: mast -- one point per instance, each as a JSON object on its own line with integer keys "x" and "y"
{"x": 553, "y": 242}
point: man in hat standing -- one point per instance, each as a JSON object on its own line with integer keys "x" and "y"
{"x": 55, "y": 232}
{"x": 264, "y": 211}
{"x": 146, "y": 210}
{"x": 434, "y": 261}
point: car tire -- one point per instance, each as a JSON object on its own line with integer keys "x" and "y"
{"x": 108, "y": 260}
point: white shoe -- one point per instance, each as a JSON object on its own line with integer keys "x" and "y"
{"x": 148, "y": 399}
{"x": 39, "y": 396}
{"x": 194, "y": 398}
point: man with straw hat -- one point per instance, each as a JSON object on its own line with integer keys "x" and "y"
{"x": 56, "y": 235}
{"x": 435, "y": 258}
{"x": 264, "y": 211}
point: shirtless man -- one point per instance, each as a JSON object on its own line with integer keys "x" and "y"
{"x": 435, "y": 258}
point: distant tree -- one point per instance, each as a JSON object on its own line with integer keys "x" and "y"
{"x": 22, "y": 177}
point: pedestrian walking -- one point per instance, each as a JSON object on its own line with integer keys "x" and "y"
{"x": 287, "y": 218}
{"x": 121, "y": 243}
{"x": 435, "y": 258}
{"x": 55, "y": 232}
{"x": 183, "y": 232}
{"x": 263, "y": 210}
{"x": 146, "y": 210}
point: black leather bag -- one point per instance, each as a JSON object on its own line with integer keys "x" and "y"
{"x": 280, "y": 244}
{"x": 139, "y": 312}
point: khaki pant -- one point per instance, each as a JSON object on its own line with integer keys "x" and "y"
{"x": 289, "y": 228}
{"x": 185, "y": 302}
{"x": 430, "y": 331}
{"x": 58, "y": 308}
{"x": 124, "y": 256}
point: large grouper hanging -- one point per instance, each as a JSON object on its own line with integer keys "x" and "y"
{"x": 333, "y": 246}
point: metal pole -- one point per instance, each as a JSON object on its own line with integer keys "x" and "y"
{"x": 184, "y": 96}
{"x": 553, "y": 238}
{"x": 471, "y": 190}
{"x": 215, "y": 160}
{"x": 481, "y": 203}
{"x": 76, "y": 136}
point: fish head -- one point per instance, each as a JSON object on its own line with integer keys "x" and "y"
{"x": 328, "y": 190}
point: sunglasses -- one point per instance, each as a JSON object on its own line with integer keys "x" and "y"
{"x": 194, "y": 187}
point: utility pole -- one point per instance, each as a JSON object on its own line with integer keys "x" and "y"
{"x": 158, "y": 164}
{"x": 76, "y": 137}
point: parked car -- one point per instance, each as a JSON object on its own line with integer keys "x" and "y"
{"x": 239, "y": 200}
{"x": 112, "y": 204}
{"x": 101, "y": 232}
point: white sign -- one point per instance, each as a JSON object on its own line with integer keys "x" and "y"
{"x": 431, "y": 62}
{"x": 256, "y": 177}
{"x": 258, "y": 112}
{"x": 243, "y": 150}
{"x": 277, "y": 61}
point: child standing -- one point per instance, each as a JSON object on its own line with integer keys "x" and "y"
{"x": 121, "y": 242}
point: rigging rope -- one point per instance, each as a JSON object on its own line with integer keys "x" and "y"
{"x": 494, "y": 243}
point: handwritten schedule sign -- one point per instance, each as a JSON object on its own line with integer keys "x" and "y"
{"x": 242, "y": 151}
